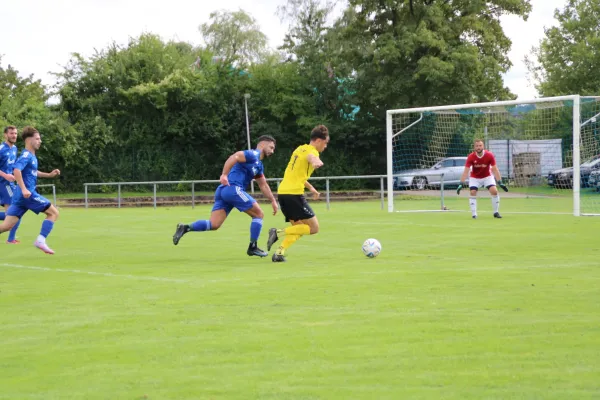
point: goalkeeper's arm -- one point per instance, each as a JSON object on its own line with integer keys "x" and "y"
{"x": 463, "y": 177}
{"x": 498, "y": 177}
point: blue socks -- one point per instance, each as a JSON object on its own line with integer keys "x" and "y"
{"x": 201, "y": 226}
{"x": 255, "y": 228}
{"x": 13, "y": 232}
{"x": 47, "y": 226}
{"x": 205, "y": 225}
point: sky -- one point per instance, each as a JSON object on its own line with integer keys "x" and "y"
{"x": 38, "y": 36}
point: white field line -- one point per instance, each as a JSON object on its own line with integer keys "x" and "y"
{"x": 412, "y": 266}
{"x": 107, "y": 274}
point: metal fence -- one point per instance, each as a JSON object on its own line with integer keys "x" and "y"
{"x": 155, "y": 185}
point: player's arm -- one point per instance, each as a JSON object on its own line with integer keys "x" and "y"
{"x": 314, "y": 191}
{"x": 19, "y": 180}
{"x": 52, "y": 174}
{"x": 266, "y": 190}
{"x": 315, "y": 161}
{"x": 463, "y": 177}
{"x": 496, "y": 173}
{"x": 498, "y": 177}
{"x": 238, "y": 157}
{"x": 8, "y": 177}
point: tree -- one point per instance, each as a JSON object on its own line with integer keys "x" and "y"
{"x": 424, "y": 52}
{"x": 567, "y": 58}
{"x": 23, "y": 102}
{"x": 235, "y": 36}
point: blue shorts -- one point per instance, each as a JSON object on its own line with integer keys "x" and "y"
{"x": 227, "y": 197}
{"x": 21, "y": 205}
{"x": 6, "y": 193}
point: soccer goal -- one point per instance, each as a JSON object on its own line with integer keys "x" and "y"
{"x": 547, "y": 150}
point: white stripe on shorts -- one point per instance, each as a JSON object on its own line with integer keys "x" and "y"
{"x": 240, "y": 193}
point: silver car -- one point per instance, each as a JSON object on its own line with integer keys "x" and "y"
{"x": 451, "y": 168}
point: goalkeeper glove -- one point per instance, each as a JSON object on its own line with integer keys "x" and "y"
{"x": 502, "y": 185}
{"x": 460, "y": 187}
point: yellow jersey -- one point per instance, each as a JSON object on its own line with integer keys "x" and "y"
{"x": 298, "y": 170}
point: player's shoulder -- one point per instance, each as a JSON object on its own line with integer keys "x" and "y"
{"x": 489, "y": 154}
{"x": 309, "y": 149}
{"x": 252, "y": 155}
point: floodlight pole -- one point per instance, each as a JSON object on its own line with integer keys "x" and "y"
{"x": 246, "y": 97}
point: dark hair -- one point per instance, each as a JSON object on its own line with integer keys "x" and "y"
{"x": 28, "y": 131}
{"x": 8, "y": 128}
{"x": 319, "y": 132}
{"x": 266, "y": 138}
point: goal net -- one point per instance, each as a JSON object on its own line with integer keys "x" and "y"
{"x": 547, "y": 151}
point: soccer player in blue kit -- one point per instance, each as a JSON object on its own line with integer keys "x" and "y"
{"x": 239, "y": 170}
{"x": 25, "y": 197}
{"x": 8, "y": 157}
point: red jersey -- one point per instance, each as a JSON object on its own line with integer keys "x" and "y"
{"x": 481, "y": 167}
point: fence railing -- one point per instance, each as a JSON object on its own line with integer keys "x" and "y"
{"x": 53, "y": 192}
{"x": 193, "y": 184}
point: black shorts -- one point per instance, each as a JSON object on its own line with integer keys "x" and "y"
{"x": 295, "y": 207}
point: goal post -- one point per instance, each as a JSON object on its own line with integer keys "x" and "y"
{"x": 548, "y": 149}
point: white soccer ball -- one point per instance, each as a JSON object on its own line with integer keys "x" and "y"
{"x": 371, "y": 248}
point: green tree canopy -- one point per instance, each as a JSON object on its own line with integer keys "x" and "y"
{"x": 235, "y": 36}
{"x": 567, "y": 58}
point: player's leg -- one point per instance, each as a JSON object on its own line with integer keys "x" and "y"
{"x": 237, "y": 197}
{"x": 304, "y": 222}
{"x": 473, "y": 187}
{"x": 257, "y": 215}
{"x": 5, "y": 199}
{"x": 13, "y": 214}
{"x": 218, "y": 215}
{"x": 495, "y": 197}
{"x": 8, "y": 223}
{"x": 296, "y": 210}
{"x": 12, "y": 235}
{"x": 13, "y": 232}
{"x": 47, "y": 226}
{"x": 6, "y": 193}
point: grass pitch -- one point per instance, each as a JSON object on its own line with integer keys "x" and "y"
{"x": 452, "y": 308}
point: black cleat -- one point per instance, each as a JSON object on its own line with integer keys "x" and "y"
{"x": 497, "y": 215}
{"x": 278, "y": 257}
{"x": 474, "y": 217}
{"x": 182, "y": 229}
{"x": 253, "y": 250}
{"x": 272, "y": 238}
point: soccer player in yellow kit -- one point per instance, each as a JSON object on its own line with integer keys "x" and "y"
{"x": 290, "y": 193}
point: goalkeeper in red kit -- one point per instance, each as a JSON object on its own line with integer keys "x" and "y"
{"x": 482, "y": 164}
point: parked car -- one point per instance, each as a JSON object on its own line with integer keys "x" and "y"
{"x": 594, "y": 180}
{"x": 451, "y": 168}
{"x": 563, "y": 178}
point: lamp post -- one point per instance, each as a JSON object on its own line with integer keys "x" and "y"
{"x": 246, "y": 97}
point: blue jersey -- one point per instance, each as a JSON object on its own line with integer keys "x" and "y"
{"x": 8, "y": 156}
{"x": 28, "y": 165}
{"x": 242, "y": 173}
